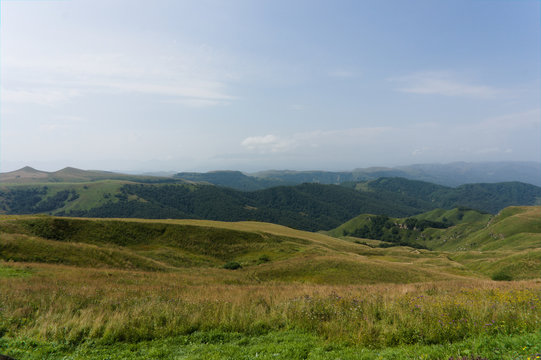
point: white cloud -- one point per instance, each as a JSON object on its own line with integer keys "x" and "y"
{"x": 419, "y": 151}
{"x": 307, "y": 141}
{"x": 444, "y": 83}
{"x": 267, "y": 144}
{"x": 50, "y": 78}
{"x": 40, "y": 96}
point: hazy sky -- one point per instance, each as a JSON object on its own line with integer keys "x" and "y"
{"x": 252, "y": 85}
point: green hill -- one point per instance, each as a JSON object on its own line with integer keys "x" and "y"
{"x": 508, "y": 243}
{"x": 310, "y": 207}
{"x": 473, "y": 244}
{"x": 267, "y": 251}
{"x": 417, "y": 231}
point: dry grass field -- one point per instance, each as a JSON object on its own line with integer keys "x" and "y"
{"x": 69, "y": 289}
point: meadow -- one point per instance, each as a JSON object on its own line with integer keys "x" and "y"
{"x": 71, "y": 306}
{"x": 159, "y": 291}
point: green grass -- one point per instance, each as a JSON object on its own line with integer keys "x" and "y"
{"x": 7, "y": 271}
{"x": 169, "y": 245}
{"x": 287, "y": 345}
{"x": 23, "y": 248}
{"x": 350, "y": 226}
{"x": 517, "y": 265}
{"x": 464, "y": 250}
{"x": 92, "y": 195}
{"x": 455, "y": 216}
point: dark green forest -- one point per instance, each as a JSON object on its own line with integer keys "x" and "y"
{"x": 307, "y": 206}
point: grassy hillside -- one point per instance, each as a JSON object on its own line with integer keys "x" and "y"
{"x": 265, "y": 251}
{"x": 57, "y": 197}
{"x": 473, "y": 245}
{"x": 418, "y": 230}
{"x": 506, "y": 246}
{"x": 513, "y": 228}
{"x": 95, "y": 288}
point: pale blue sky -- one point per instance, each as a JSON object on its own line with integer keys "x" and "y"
{"x": 253, "y": 85}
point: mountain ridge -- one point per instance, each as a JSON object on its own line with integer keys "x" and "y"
{"x": 307, "y": 206}
{"x": 450, "y": 174}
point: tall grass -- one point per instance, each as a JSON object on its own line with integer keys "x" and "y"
{"x": 74, "y": 304}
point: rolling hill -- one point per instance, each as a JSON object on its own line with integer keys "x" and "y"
{"x": 473, "y": 245}
{"x": 266, "y": 251}
{"x": 81, "y": 284}
{"x": 508, "y": 243}
{"x": 310, "y": 207}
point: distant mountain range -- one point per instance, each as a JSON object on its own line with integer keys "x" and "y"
{"x": 453, "y": 174}
{"x": 29, "y": 175}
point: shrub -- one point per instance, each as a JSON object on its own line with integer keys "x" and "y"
{"x": 232, "y": 265}
{"x": 502, "y": 275}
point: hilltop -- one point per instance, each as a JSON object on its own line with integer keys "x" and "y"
{"x": 29, "y": 175}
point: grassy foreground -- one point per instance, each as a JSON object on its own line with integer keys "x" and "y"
{"x": 59, "y": 311}
{"x": 289, "y": 345}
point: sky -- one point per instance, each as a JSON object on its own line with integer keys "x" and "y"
{"x": 171, "y": 85}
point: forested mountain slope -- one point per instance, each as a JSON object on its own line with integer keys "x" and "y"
{"x": 307, "y": 206}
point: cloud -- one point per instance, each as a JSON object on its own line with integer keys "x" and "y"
{"x": 267, "y": 144}
{"x": 419, "y": 151}
{"x": 40, "y": 96}
{"x": 445, "y": 84}
{"x": 307, "y": 141}
{"x": 51, "y": 78}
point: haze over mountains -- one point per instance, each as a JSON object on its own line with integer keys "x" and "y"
{"x": 452, "y": 174}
